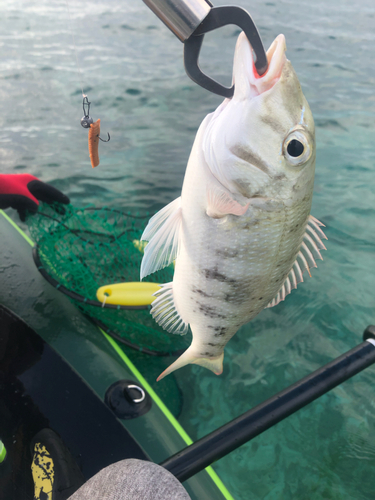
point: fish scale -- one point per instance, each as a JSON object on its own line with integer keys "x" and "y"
{"x": 241, "y": 234}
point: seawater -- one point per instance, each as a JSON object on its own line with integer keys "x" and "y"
{"x": 131, "y": 67}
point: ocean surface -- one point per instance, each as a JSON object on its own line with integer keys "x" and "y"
{"x": 131, "y": 67}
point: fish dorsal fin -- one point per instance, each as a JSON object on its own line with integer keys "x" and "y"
{"x": 220, "y": 203}
{"x": 162, "y": 233}
{"x": 165, "y": 313}
{"x": 312, "y": 236}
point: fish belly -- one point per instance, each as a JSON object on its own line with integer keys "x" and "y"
{"x": 229, "y": 269}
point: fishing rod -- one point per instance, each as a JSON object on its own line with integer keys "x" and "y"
{"x": 190, "y": 20}
{"x": 196, "y": 457}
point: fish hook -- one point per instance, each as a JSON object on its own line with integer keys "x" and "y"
{"x": 94, "y": 132}
{"x": 109, "y": 138}
{"x": 86, "y": 120}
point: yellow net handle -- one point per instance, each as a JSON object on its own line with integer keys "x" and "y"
{"x": 134, "y": 293}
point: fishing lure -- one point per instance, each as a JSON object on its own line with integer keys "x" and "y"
{"x": 94, "y": 132}
{"x": 94, "y": 143}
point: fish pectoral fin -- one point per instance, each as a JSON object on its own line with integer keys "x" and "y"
{"x": 163, "y": 234}
{"x": 188, "y": 357}
{"x": 220, "y": 203}
{"x": 165, "y": 313}
{"x": 313, "y": 235}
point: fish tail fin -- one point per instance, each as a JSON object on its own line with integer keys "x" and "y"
{"x": 189, "y": 357}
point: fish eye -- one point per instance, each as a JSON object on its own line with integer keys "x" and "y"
{"x": 297, "y": 149}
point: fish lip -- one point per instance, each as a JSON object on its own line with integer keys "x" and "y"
{"x": 247, "y": 82}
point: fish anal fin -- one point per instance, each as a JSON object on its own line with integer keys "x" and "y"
{"x": 165, "y": 313}
{"x": 220, "y": 203}
{"x": 214, "y": 364}
{"x": 163, "y": 235}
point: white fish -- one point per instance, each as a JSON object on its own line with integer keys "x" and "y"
{"x": 241, "y": 233}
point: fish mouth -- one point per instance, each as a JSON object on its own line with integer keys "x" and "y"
{"x": 247, "y": 82}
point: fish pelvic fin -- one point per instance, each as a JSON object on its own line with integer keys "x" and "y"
{"x": 163, "y": 235}
{"x": 189, "y": 357}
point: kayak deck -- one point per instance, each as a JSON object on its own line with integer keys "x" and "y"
{"x": 99, "y": 360}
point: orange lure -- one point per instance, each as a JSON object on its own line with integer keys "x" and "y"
{"x": 94, "y": 133}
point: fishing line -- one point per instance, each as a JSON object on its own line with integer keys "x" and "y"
{"x": 86, "y": 120}
{"x": 75, "y": 49}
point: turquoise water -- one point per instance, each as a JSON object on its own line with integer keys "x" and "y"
{"x": 132, "y": 70}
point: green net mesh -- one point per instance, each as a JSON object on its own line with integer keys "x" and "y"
{"x": 86, "y": 248}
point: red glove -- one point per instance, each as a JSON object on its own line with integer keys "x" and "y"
{"x": 22, "y": 192}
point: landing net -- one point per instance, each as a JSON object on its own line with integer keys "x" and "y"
{"x": 79, "y": 250}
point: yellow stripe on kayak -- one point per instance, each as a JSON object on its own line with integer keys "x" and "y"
{"x": 11, "y": 222}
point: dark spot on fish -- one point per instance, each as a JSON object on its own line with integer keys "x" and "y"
{"x": 245, "y": 188}
{"x": 208, "y": 354}
{"x": 213, "y": 274}
{"x": 249, "y": 222}
{"x": 250, "y": 157}
{"x": 274, "y": 124}
{"x": 221, "y": 330}
{"x": 260, "y": 298}
{"x": 210, "y": 343}
{"x": 210, "y": 311}
{"x": 235, "y": 296}
{"x": 227, "y": 253}
{"x": 279, "y": 177}
{"x": 201, "y": 292}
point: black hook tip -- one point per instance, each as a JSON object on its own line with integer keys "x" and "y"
{"x": 109, "y": 138}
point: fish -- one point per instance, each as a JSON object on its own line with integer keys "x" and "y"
{"x": 241, "y": 233}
